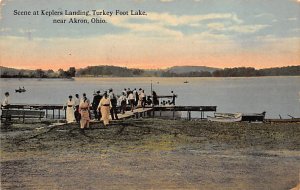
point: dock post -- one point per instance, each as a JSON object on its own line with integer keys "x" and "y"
{"x": 173, "y": 113}
{"x": 58, "y": 113}
{"x": 23, "y": 116}
{"x": 53, "y": 114}
{"x": 46, "y": 112}
{"x": 202, "y": 115}
{"x": 189, "y": 115}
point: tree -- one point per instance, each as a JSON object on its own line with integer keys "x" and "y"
{"x": 61, "y": 73}
{"x": 71, "y": 72}
{"x": 39, "y": 73}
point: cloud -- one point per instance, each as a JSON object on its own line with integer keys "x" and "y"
{"x": 264, "y": 15}
{"x": 164, "y": 23}
{"x": 292, "y": 19}
{"x": 175, "y": 20}
{"x": 247, "y": 28}
{"x": 5, "y": 29}
{"x": 236, "y": 28}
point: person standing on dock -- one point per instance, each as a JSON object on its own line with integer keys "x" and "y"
{"x": 114, "y": 101}
{"x": 5, "y": 104}
{"x": 104, "y": 107}
{"x": 84, "y": 110}
{"x": 131, "y": 100}
{"x": 142, "y": 98}
{"x": 173, "y": 98}
{"x": 122, "y": 102}
{"x": 136, "y": 96}
{"x": 70, "y": 117}
{"x": 95, "y": 104}
{"x": 155, "y": 99}
{"x": 76, "y": 112}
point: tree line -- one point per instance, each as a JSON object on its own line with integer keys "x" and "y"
{"x": 38, "y": 73}
{"x": 114, "y": 71}
{"x": 239, "y": 72}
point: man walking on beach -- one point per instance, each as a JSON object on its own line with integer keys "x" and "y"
{"x": 114, "y": 101}
{"x": 76, "y": 103}
{"x": 95, "y": 104}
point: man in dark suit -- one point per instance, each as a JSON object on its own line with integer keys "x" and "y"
{"x": 95, "y": 104}
{"x": 113, "y": 109}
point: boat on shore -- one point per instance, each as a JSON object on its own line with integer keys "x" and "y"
{"x": 226, "y": 117}
{"x": 237, "y": 117}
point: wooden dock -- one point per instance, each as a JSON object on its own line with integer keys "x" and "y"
{"x": 137, "y": 113}
{"x": 59, "y": 112}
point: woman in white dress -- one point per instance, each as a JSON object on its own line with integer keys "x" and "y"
{"x": 70, "y": 110}
{"x": 104, "y": 106}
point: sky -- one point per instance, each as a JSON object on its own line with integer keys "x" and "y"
{"x": 213, "y": 33}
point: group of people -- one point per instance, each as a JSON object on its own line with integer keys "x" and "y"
{"x": 106, "y": 104}
{"x": 103, "y": 105}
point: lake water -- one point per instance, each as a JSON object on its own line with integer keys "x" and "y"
{"x": 275, "y": 95}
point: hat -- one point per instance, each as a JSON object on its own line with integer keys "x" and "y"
{"x": 98, "y": 92}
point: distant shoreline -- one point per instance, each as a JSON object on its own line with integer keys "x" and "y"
{"x": 178, "y": 71}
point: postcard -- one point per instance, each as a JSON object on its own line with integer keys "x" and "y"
{"x": 150, "y": 94}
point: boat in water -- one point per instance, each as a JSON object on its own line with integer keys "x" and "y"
{"x": 20, "y": 90}
{"x": 186, "y": 82}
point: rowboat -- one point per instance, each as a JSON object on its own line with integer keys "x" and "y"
{"x": 236, "y": 117}
{"x": 20, "y": 90}
{"x": 254, "y": 116}
{"x": 226, "y": 117}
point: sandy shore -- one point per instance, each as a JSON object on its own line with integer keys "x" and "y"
{"x": 151, "y": 154}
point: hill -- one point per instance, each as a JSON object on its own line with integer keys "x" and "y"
{"x": 106, "y": 70}
{"x": 188, "y": 69}
{"x": 12, "y": 71}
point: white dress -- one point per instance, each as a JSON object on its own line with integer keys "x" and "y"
{"x": 70, "y": 111}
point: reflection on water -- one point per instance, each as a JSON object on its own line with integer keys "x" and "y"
{"x": 276, "y": 95}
